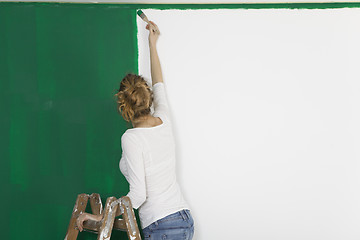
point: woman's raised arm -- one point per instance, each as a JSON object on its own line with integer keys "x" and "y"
{"x": 156, "y": 73}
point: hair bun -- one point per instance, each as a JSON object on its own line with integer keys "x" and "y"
{"x": 134, "y": 97}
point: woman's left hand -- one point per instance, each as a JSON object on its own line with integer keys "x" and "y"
{"x": 79, "y": 221}
{"x": 154, "y": 32}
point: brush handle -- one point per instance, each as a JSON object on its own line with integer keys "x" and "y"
{"x": 144, "y": 18}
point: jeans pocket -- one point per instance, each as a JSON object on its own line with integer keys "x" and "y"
{"x": 173, "y": 219}
{"x": 170, "y": 234}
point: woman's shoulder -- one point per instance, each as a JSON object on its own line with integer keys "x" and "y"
{"x": 129, "y": 135}
{"x": 132, "y": 141}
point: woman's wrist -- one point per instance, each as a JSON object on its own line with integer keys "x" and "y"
{"x": 94, "y": 217}
{"x": 98, "y": 217}
{"x": 152, "y": 45}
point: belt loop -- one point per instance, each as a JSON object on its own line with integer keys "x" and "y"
{"x": 183, "y": 214}
{"x": 187, "y": 213}
{"x": 156, "y": 223}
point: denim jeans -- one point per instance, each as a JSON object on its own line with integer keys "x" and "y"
{"x": 176, "y": 226}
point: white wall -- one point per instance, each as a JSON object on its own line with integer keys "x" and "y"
{"x": 266, "y": 107}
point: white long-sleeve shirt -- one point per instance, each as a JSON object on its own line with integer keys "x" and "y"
{"x": 148, "y": 164}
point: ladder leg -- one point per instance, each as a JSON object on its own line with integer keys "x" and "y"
{"x": 79, "y": 208}
{"x": 130, "y": 220}
{"x": 108, "y": 220}
{"x": 96, "y": 204}
{"x": 120, "y": 224}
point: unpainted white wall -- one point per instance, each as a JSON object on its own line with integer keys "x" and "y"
{"x": 266, "y": 108}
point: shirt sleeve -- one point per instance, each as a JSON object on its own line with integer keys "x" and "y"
{"x": 133, "y": 156}
{"x": 161, "y": 106}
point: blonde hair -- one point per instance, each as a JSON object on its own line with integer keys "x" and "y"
{"x": 134, "y": 97}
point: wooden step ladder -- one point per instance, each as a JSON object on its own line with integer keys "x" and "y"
{"x": 113, "y": 208}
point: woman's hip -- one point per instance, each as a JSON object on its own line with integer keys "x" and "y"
{"x": 176, "y": 226}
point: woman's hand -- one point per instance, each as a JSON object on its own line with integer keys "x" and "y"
{"x": 87, "y": 216}
{"x": 153, "y": 32}
{"x": 79, "y": 221}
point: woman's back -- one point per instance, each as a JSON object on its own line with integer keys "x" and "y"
{"x": 148, "y": 163}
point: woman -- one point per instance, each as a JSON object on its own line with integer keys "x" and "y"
{"x": 148, "y": 159}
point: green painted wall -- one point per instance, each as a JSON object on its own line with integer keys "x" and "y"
{"x": 60, "y": 64}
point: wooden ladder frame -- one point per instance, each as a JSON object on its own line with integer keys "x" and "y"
{"x": 113, "y": 208}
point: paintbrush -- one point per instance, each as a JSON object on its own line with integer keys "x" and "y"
{"x": 143, "y": 17}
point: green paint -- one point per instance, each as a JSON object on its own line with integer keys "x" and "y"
{"x": 60, "y": 130}
{"x": 139, "y": 12}
{"x": 60, "y": 65}
{"x": 18, "y": 148}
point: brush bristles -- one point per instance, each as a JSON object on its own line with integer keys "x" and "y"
{"x": 141, "y": 14}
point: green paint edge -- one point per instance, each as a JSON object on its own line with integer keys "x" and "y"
{"x": 325, "y": 5}
{"x": 136, "y": 43}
